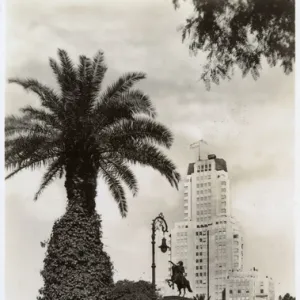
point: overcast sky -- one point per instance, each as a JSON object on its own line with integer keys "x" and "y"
{"x": 248, "y": 123}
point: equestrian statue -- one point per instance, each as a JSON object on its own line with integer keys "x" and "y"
{"x": 178, "y": 278}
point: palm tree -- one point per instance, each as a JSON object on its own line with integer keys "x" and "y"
{"x": 81, "y": 133}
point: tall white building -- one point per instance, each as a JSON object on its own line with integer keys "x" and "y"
{"x": 209, "y": 240}
{"x": 206, "y": 190}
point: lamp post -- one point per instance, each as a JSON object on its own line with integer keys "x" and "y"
{"x": 158, "y": 223}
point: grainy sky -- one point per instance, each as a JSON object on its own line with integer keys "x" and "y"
{"x": 248, "y": 123}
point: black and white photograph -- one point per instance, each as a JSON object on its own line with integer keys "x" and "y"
{"x": 149, "y": 150}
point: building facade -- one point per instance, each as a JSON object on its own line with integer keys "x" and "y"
{"x": 209, "y": 241}
{"x": 206, "y": 190}
{"x": 249, "y": 285}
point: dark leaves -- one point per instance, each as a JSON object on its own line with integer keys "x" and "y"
{"x": 76, "y": 265}
{"x": 148, "y": 155}
{"x": 241, "y": 33}
{"x": 115, "y": 187}
{"x": 122, "y": 85}
{"x": 129, "y": 290}
{"x": 53, "y": 171}
{"x": 137, "y": 130}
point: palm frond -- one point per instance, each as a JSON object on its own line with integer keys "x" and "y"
{"x": 47, "y": 96}
{"x": 31, "y": 163}
{"x": 67, "y": 66}
{"x": 16, "y": 124}
{"x": 29, "y": 128}
{"x": 126, "y": 106}
{"x": 137, "y": 130}
{"x": 116, "y": 189}
{"x": 138, "y": 102}
{"x": 66, "y": 77}
{"x": 85, "y": 70}
{"x": 65, "y": 74}
{"x": 54, "y": 170}
{"x": 122, "y": 171}
{"x": 55, "y": 67}
{"x": 21, "y": 149}
{"x": 99, "y": 70}
{"x": 57, "y": 71}
{"x": 42, "y": 116}
{"x": 122, "y": 85}
{"x": 148, "y": 155}
{"x": 86, "y": 86}
{"x": 34, "y": 121}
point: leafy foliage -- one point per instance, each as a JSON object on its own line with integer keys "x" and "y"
{"x": 82, "y": 133}
{"x": 76, "y": 266}
{"x": 287, "y": 296}
{"x": 130, "y": 290}
{"x": 239, "y": 33}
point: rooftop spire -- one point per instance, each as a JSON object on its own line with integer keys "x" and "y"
{"x": 196, "y": 145}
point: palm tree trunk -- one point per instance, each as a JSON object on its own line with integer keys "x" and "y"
{"x": 81, "y": 185}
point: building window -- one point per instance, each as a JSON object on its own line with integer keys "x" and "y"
{"x": 261, "y": 291}
{"x": 239, "y": 291}
{"x": 230, "y": 291}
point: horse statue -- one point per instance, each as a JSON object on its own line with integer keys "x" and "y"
{"x": 178, "y": 278}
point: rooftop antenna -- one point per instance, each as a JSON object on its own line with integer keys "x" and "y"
{"x": 197, "y": 145}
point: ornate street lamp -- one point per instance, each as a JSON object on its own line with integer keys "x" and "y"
{"x": 158, "y": 223}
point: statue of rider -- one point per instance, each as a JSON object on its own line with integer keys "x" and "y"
{"x": 178, "y": 273}
{"x": 181, "y": 272}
